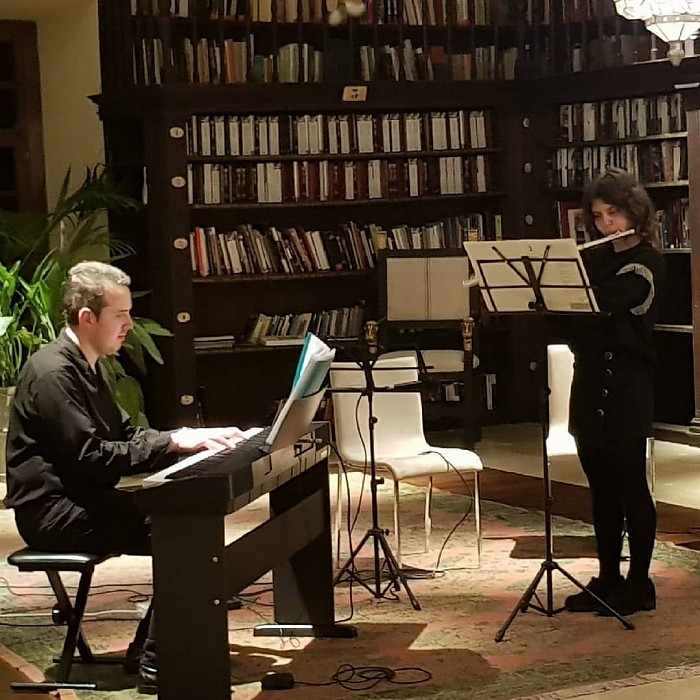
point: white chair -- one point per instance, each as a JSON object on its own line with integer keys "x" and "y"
{"x": 561, "y": 446}
{"x": 401, "y": 450}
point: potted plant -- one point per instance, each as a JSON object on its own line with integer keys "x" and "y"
{"x": 30, "y": 309}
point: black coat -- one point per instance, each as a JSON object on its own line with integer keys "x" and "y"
{"x": 612, "y": 396}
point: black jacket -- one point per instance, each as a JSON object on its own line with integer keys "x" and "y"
{"x": 612, "y": 396}
{"x": 66, "y": 434}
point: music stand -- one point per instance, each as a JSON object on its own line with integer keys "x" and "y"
{"x": 396, "y": 578}
{"x": 539, "y": 278}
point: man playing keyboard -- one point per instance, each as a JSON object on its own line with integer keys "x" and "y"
{"x": 68, "y": 443}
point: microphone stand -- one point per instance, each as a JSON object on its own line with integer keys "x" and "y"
{"x": 377, "y": 534}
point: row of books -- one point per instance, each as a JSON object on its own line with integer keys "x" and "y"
{"x": 292, "y": 182}
{"x": 654, "y": 162}
{"x": 441, "y": 235}
{"x": 293, "y": 250}
{"x": 285, "y": 329}
{"x": 430, "y": 12}
{"x": 571, "y": 55}
{"x": 674, "y": 224}
{"x": 234, "y": 60}
{"x": 310, "y": 134}
{"x": 622, "y": 119}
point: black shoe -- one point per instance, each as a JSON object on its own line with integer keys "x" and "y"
{"x": 148, "y": 679}
{"x": 603, "y": 588}
{"x": 635, "y": 595}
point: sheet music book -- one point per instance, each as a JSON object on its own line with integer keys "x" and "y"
{"x": 312, "y": 368}
{"x": 504, "y": 283}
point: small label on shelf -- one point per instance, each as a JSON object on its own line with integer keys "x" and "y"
{"x": 355, "y": 93}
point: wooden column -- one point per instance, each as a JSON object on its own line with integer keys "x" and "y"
{"x": 691, "y": 101}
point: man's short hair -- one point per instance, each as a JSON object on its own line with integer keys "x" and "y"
{"x": 86, "y": 285}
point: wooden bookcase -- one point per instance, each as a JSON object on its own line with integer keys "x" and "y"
{"x": 171, "y": 66}
{"x": 650, "y": 138}
{"x": 22, "y": 181}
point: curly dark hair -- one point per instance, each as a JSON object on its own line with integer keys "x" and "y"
{"x": 621, "y": 189}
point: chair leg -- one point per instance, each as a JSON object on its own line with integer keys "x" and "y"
{"x": 428, "y": 512}
{"x": 73, "y": 615}
{"x": 477, "y": 515}
{"x": 397, "y": 524}
{"x": 651, "y": 465}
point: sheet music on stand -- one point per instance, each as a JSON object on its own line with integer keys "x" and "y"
{"x": 312, "y": 368}
{"x": 503, "y": 272}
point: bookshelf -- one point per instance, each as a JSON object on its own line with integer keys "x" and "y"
{"x": 357, "y": 130}
{"x": 22, "y": 183}
{"x": 639, "y": 124}
{"x": 267, "y": 202}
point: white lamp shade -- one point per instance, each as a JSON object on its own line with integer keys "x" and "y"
{"x": 645, "y": 9}
{"x": 672, "y": 28}
{"x": 671, "y": 20}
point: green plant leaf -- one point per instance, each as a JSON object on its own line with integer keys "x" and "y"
{"x": 152, "y": 327}
{"x": 128, "y": 394}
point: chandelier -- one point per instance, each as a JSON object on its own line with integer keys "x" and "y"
{"x": 674, "y": 21}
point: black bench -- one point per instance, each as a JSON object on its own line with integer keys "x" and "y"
{"x": 65, "y": 611}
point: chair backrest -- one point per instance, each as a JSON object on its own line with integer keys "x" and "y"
{"x": 399, "y": 427}
{"x": 560, "y": 372}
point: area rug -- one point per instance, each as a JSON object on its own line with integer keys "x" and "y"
{"x": 451, "y": 637}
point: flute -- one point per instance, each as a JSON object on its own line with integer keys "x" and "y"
{"x": 606, "y": 239}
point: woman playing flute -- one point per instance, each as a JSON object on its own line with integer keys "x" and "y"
{"x": 612, "y": 396}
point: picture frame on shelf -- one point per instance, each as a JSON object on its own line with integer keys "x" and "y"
{"x": 570, "y": 222}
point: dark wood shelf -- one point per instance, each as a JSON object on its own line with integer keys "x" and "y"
{"x": 304, "y": 98}
{"x": 278, "y": 277}
{"x": 247, "y": 348}
{"x": 232, "y": 208}
{"x": 619, "y": 142}
{"x": 575, "y": 192}
{"x": 388, "y": 155}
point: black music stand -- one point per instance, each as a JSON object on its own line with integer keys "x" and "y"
{"x": 395, "y": 577}
{"x": 538, "y": 278}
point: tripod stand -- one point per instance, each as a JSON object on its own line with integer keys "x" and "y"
{"x": 549, "y": 565}
{"x": 511, "y": 282}
{"x": 375, "y": 533}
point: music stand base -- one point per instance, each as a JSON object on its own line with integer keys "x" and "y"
{"x": 395, "y": 576}
{"x": 524, "y": 604}
{"x": 296, "y": 630}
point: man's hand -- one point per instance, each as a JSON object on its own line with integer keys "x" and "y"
{"x": 196, "y": 439}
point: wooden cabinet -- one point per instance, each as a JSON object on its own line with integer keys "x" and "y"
{"x": 22, "y": 180}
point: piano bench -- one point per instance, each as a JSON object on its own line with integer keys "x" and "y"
{"x": 65, "y": 611}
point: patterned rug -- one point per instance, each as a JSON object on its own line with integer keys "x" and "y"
{"x": 451, "y": 637}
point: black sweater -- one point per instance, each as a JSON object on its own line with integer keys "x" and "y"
{"x": 613, "y": 389}
{"x": 66, "y": 435}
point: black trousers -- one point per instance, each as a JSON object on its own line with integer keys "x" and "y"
{"x": 98, "y": 522}
{"x": 621, "y": 498}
